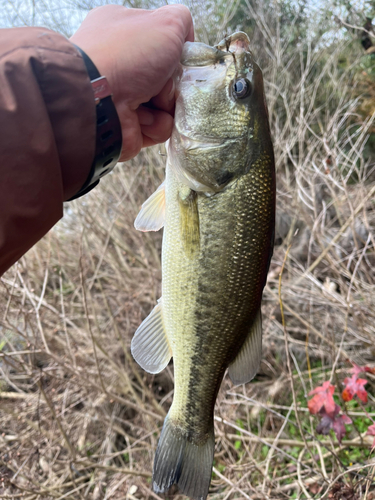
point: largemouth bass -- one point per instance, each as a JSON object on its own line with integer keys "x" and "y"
{"x": 217, "y": 207}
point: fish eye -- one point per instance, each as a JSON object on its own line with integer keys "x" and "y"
{"x": 241, "y": 88}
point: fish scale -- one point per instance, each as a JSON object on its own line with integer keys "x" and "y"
{"x": 217, "y": 205}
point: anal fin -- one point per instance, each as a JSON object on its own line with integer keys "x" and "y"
{"x": 247, "y": 362}
{"x": 150, "y": 347}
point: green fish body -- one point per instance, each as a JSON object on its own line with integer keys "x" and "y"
{"x": 217, "y": 206}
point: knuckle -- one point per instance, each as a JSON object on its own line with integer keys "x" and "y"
{"x": 176, "y": 16}
{"x": 131, "y": 144}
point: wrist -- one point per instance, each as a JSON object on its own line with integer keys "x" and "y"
{"x": 108, "y": 129}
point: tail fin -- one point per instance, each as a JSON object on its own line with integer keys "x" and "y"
{"x": 179, "y": 461}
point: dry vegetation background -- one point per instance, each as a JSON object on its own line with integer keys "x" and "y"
{"x": 79, "y": 419}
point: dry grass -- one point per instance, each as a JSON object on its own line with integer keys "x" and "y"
{"x": 80, "y": 420}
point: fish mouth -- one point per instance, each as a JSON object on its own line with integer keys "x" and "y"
{"x": 237, "y": 43}
{"x": 191, "y": 142}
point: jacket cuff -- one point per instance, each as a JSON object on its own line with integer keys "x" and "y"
{"x": 69, "y": 99}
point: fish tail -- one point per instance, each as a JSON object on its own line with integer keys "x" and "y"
{"x": 179, "y": 461}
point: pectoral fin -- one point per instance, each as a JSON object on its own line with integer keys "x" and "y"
{"x": 247, "y": 362}
{"x": 150, "y": 347}
{"x": 189, "y": 220}
{"x": 152, "y": 214}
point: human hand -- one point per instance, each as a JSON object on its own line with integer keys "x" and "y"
{"x": 138, "y": 51}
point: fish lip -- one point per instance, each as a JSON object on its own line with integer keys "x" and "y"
{"x": 236, "y": 43}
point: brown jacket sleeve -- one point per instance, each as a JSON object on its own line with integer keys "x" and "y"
{"x": 47, "y": 134}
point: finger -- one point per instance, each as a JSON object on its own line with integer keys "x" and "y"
{"x": 182, "y": 13}
{"x": 147, "y": 142}
{"x": 188, "y": 21}
{"x": 131, "y": 132}
{"x": 155, "y": 124}
{"x": 166, "y": 98}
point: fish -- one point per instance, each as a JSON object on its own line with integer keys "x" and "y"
{"x": 217, "y": 207}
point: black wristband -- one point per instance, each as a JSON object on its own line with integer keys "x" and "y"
{"x": 108, "y": 129}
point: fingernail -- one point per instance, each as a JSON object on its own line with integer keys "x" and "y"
{"x": 171, "y": 92}
{"x": 145, "y": 116}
